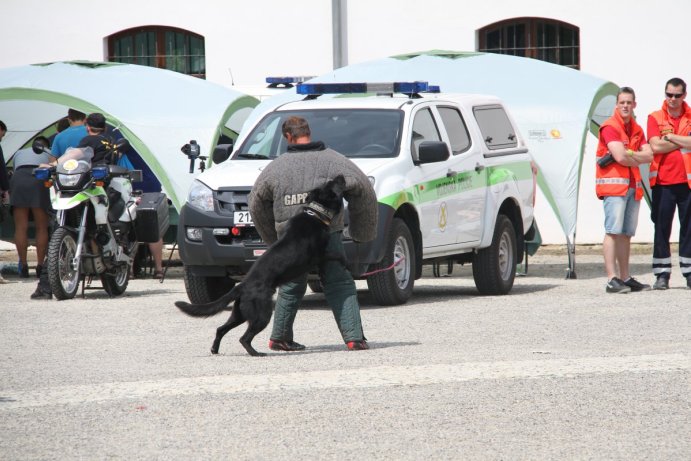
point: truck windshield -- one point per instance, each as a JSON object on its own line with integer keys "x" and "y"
{"x": 355, "y": 133}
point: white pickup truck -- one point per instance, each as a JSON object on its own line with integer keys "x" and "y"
{"x": 454, "y": 181}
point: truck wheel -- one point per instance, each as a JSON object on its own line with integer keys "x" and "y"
{"x": 202, "y": 290}
{"x": 494, "y": 268}
{"x": 63, "y": 275}
{"x": 394, "y": 285}
{"x": 316, "y": 286}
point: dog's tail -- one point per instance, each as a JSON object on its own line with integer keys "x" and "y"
{"x": 212, "y": 308}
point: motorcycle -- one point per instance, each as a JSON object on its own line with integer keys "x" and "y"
{"x": 96, "y": 209}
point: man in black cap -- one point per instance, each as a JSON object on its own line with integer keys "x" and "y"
{"x": 96, "y": 139}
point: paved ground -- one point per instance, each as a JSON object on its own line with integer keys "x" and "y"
{"x": 556, "y": 370}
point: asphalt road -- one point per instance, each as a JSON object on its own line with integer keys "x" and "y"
{"x": 556, "y": 370}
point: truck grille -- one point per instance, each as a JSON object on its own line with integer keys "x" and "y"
{"x": 230, "y": 201}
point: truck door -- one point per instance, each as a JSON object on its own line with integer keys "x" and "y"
{"x": 430, "y": 182}
{"x": 465, "y": 194}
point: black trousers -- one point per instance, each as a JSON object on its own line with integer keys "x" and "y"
{"x": 666, "y": 201}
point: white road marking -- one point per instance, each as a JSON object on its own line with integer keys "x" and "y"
{"x": 354, "y": 378}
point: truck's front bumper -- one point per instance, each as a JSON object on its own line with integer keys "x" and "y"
{"x": 217, "y": 255}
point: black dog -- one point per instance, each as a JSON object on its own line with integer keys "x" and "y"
{"x": 300, "y": 249}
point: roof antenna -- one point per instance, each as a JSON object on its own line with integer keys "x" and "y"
{"x": 232, "y": 81}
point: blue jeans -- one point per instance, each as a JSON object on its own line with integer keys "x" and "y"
{"x": 621, "y": 213}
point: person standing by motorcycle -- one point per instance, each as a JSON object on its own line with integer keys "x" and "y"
{"x": 71, "y": 136}
{"x": 4, "y": 182}
{"x": 29, "y": 197}
{"x": 97, "y": 139}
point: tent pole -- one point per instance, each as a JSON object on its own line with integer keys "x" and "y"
{"x": 571, "y": 250}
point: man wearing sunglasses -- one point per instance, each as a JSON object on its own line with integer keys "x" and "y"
{"x": 669, "y": 134}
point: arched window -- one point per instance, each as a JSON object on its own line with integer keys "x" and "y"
{"x": 539, "y": 38}
{"x": 156, "y": 46}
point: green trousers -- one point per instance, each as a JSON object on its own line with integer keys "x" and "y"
{"x": 339, "y": 289}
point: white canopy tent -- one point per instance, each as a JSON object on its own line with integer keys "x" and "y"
{"x": 555, "y": 107}
{"x": 156, "y": 110}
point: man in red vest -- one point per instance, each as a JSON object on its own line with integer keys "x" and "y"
{"x": 622, "y": 147}
{"x": 669, "y": 132}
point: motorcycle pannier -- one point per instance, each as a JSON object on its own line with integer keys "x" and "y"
{"x": 153, "y": 218}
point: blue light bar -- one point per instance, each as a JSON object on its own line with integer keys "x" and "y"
{"x": 288, "y": 82}
{"x": 433, "y": 89}
{"x": 42, "y": 173}
{"x": 315, "y": 89}
{"x": 99, "y": 172}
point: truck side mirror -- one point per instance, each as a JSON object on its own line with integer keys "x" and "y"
{"x": 222, "y": 152}
{"x": 432, "y": 152}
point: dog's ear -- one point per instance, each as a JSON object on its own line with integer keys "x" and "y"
{"x": 340, "y": 180}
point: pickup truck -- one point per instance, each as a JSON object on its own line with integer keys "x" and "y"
{"x": 455, "y": 183}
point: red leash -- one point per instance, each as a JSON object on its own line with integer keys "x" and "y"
{"x": 396, "y": 263}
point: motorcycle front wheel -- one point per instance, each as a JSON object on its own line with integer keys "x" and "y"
{"x": 63, "y": 273}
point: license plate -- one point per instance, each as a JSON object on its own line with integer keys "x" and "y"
{"x": 242, "y": 218}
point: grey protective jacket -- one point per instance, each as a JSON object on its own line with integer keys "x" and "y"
{"x": 280, "y": 191}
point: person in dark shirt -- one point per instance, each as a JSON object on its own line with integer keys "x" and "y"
{"x": 96, "y": 138}
{"x": 4, "y": 181}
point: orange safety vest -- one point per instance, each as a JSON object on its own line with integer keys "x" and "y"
{"x": 666, "y": 127}
{"x": 614, "y": 179}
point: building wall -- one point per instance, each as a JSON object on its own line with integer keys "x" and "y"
{"x": 249, "y": 40}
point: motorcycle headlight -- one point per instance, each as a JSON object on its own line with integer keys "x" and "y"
{"x": 201, "y": 197}
{"x": 69, "y": 180}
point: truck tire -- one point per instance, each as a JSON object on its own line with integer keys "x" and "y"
{"x": 201, "y": 289}
{"x": 494, "y": 268}
{"x": 394, "y": 285}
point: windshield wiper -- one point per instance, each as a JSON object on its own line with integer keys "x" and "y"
{"x": 253, "y": 156}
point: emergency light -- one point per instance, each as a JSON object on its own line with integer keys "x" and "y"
{"x": 286, "y": 82}
{"x": 317, "y": 89}
{"x": 99, "y": 172}
{"x": 42, "y": 173}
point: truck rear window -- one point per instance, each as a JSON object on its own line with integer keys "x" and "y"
{"x": 355, "y": 133}
{"x": 495, "y": 126}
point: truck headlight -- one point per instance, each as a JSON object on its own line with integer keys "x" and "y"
{"x": 201, "y": 197}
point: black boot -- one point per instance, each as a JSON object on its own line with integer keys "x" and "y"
{"x": 43, "y": 290}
